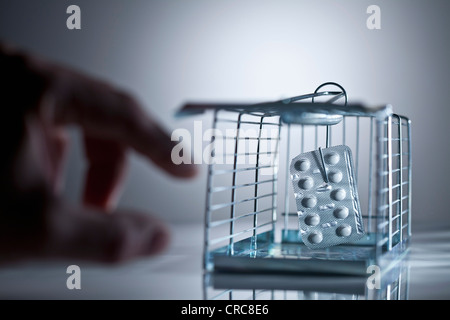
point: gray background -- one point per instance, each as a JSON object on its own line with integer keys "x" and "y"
{"x": 167, "y": 52}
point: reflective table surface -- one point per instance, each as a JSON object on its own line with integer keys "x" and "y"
{"x": 178, "y": 274}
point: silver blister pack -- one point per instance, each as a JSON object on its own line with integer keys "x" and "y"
{"x": 326, "y": 195}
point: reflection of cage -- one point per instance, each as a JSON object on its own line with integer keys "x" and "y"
{"x": 244, "y": 181}
{"x": 394, "y": 285}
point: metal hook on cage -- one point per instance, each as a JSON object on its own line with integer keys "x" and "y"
{"x": 337, "y": 96}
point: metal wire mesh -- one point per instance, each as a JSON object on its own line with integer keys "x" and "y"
{"x": 250, "y": 144}
{"x": 394, "y": 181}
{"x": 242, "y": 178}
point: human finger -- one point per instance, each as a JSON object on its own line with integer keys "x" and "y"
{"x": 108, "y": 113}
{"x": 105, "y": 173}
{"x": 88, "y": 234}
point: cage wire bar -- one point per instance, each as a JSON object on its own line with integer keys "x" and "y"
{"x": 243, "y": 183}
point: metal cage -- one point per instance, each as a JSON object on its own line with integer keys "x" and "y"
{"x": 250, "y": 150}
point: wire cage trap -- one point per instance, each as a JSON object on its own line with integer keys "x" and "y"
{"x": 248, "y": 228}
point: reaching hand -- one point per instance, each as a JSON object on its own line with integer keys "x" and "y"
{"x": 39, "y": 101}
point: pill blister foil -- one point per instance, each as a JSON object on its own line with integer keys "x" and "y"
{"x": 326, "y": 195}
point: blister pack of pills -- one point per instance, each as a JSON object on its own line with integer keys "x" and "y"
{"x": 326, "y": 195}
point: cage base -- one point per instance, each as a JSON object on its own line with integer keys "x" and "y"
{"x": 263, "y": 255}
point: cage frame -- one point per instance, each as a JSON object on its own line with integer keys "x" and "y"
{"x": 389, "y": 200}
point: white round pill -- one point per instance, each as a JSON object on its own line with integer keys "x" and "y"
{"x": 302, "y": 165}
{"x": 339, "y": 194}
{"x": 344, "y": 231}
{"x": 332, "y": 158}
{"x": 306, "y": 183}
{"x": 315, "y": 237}
{"x": 335, "y": 176}
{"x": 340, "y": 213}
{"x": 309, "y": 202}
{"x": 312, "y": 219}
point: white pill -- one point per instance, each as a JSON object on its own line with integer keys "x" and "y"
{"x": 335, "y": 176}
{"x": 344, "y": 231}
{"x": 332, "y": 158}
{"x": 341, "y": 213}
{"x": 302, "y": 165}
{"x": 315, "y": 237}
{"x": 306, "y": 183}
{"x": 312, "y": 219}
{"x": 309, "y": 202}
{"x": 339, "y": 194}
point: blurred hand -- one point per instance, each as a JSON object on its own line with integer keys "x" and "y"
{"x": 40, "y": 99}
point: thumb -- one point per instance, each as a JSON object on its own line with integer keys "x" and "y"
{"x": 88, "y": 234}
